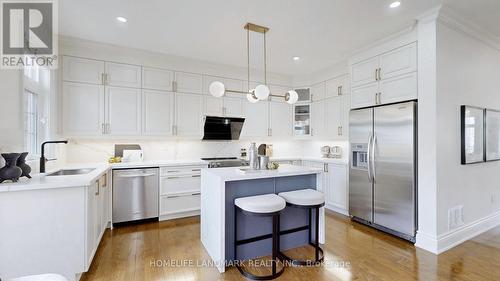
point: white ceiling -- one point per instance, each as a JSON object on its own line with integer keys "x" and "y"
{"x": 484, "y": 13}
{"x": 321, "y": 32}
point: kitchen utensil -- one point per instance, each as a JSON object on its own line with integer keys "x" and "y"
{"x": 252, "y": 156}
{"x": 336, "y": 152}
{"x": 263, "y": 161}
{"x": 325, "y": 151}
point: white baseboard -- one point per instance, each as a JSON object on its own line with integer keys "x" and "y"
{"x": 337, "y": 210}
{"x": 446, "y": 241}
{"x": 179, "y": 215}
{"x": 427, "y": 242}
{"x": 457, "y": 236}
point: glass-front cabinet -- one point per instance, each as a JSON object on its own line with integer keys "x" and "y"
{"x": 302, "y": 120}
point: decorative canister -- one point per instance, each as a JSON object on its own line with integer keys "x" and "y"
{"x": 21, "y": 163}
{"x": 11, "y": 171}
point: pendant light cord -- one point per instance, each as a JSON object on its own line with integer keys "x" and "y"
{"x": 248, "y": 59}
{"x": 265, "y": 60}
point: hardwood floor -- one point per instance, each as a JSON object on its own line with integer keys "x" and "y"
{"x": 352, "y": 252}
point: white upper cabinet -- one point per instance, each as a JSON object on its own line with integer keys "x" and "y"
{"x": 318, "y": 123}
{"x": 337, "y": 86}
{"x": 214, "y": 106}
{"x": 279, "y": 90}
{"x": 233, "y": 107}
{"x": 157, "y": 79}
{"x": 364, "y": 72}
{"x": 395, "y": 78}
{"x": 318, "y": 91}
{"x": 157, "y": 113}
{"x": 83, "y": 109}
{"x": 188, "y": 83}
{"x": 334, "y": 118}
{"x": 399, "y": 61}
{"x": 123, "y": 75}
{"x": 280, "y": 119}
{"x": 256, "y": 119}
{"x": 189, "y": 115}
{"x": 398, "y": 88}
{"x": 123, "y": 111}
{"x": 83, "y": 70}
{"x": 364, "y": 96}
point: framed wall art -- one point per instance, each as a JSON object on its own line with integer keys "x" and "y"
{"x": 472, "y": 133}
{"x": 492, "y": 134}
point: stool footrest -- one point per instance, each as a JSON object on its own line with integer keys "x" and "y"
{"x": 260, "y": 277}
{"x": 305, "y": 262}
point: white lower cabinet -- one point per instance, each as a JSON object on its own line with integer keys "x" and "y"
{"x": 97, "y": 216}
{"x": 337, "y": 191}
{"x": 189, "y": 115}
{"x": 335, "y": 185}
{"x": 180, "y": 191}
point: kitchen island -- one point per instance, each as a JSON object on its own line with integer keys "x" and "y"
{"x": 219, "y": 188}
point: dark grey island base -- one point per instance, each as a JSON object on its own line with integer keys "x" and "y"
{"x": 253, "y": 226}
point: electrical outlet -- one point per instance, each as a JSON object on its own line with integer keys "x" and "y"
{"x": 455, "y": 217}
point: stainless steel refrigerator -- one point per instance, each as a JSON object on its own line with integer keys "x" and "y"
{"x": 383, "y": 168}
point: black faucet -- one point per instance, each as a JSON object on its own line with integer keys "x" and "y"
{"x": 43, "y": 160}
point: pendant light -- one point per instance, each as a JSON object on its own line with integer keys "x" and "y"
{"x": 262, "y": 91}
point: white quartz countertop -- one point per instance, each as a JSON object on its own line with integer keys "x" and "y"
{"x": 236, "y": 174}
{"x": 40, "y": 181}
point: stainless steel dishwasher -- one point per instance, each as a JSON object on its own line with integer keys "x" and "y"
{"x": 135, "y": 194}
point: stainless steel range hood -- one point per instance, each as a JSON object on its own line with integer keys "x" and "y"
{"x": 222, "y": 128}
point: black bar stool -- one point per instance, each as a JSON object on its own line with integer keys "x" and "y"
{"x": 312, "y": 200}
{"x": 269, "y": 205}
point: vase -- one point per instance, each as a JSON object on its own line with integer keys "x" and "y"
{"x": 10, "y": 171}
{"x": 21, "y": 163}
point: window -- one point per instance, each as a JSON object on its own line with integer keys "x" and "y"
{"x": 36, "y": 90}
{"x": 30, "y": 122}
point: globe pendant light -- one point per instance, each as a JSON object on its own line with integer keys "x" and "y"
{"x": 291, "y": 97}
{"x": 262, "y": 91}
{"x": 217, "y": 89}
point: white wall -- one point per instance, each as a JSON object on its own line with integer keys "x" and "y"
{"x": 11, "y": 118}
{"x": 468, "y": 73}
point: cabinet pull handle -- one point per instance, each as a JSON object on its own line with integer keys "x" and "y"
{"x": 174, "y": 86}
{"x": 196, "y": 170}
{"x": 171, "y": 178}
{"x": 108, "y": 128}
{"x": 341, "y": 131}
{"x": 197, "y": 193}
{"x": 379, "y": 73}
{"x": 102, "y": 79}
{"x": 97, "y": 192}
{"x": 376, "y": 74}
{"x": 270, "y": 132}
{"x": 103, "y": 130}
{"x": 172, "y": 171}
{"x": 196, "y": 176}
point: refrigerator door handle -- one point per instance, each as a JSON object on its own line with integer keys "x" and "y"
{"x": 372, "y": 160}
{"x": 369, "y": 156}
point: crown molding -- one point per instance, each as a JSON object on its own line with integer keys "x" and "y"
{"x": 454, "y": 20}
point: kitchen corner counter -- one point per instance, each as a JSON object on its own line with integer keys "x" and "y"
{"x": 41, "y": 181}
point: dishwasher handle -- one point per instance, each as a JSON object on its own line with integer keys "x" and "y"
{"x": 136, "y": 175}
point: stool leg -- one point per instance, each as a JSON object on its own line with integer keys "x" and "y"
{"x": 316, "y": 242}
{"x": 275, "y": 243}
{"x": 310, "y": 226}
{"x": 235, "y": 237}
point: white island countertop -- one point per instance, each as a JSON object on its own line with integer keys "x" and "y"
{"x": 244, "y": 173}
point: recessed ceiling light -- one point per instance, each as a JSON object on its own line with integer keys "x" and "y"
{"x": 121, "y": 19}
{"x": 395, "y": 4}
{"x": 295, "y": 58}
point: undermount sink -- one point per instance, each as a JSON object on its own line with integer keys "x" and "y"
{"x": 71, "y": 172}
